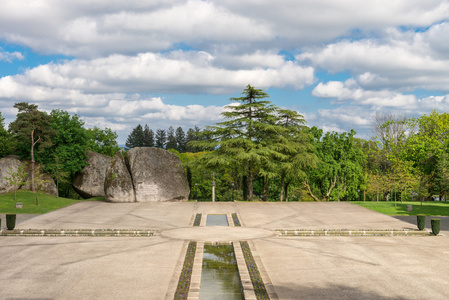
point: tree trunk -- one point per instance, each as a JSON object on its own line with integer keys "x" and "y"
{"x": 32, "y": 161}
{"x": 250, "y": 182}
{"x": 266, "y": 186}
{"x": 309, "y": 191}
{"x": 286, "y": 191}
{"x": 281, "y": 196}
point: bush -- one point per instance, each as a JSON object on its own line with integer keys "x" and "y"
{"x": 10, "y": 221}
{"x": 421, "y": 220}
{"x": 435, "y": 223}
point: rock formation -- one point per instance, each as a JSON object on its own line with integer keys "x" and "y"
{"x": 44, "y": 183}
{"x": 7, "y": 165}
{"x": 118, "y": 186}
{"x": 90, "y": 181}
{"x": 12, "y": 163}
{"x": 157, "y": 175}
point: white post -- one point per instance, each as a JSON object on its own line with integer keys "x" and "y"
{"x": 213, "y": 187}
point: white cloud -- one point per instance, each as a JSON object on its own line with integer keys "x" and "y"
{"x": 10, "y": 56}
{"x": 148, "y": 72}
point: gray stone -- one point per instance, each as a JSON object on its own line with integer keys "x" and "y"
{"x": 7, "y": 165}
{"x": 46, "y": 185}
{"x": 89, "y": 182}
{"x": 157, "y": 174}
{"x": 118, "y": 185}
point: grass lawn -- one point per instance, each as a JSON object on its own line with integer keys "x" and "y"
{"x": 429, "y": 208}
{"x": 46, "y": 203}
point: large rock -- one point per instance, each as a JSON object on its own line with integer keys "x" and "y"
{"x": 44, "y": 183}
{"x": 157, "y": 175}
{"x": 89, "y": 182}
{"x": 118, "y": 186}
{"x": 7, "y": 165}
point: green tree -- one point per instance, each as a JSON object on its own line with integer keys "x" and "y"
{"x": 339, "y": 172}
{"x": 136, "y": 138}
{"x": 67, "y": 154}
{"x": 17, "y": 178}
{"x": 31, "y": 129}
{"x": 148, "y": 137}
{"x": 171, "y": 139}
{"x": 297, "y": 149}
{"x": 180, "y": 137}
{"x": 6, "y": 140}
{"x": 247, "y": 138}
{"x": 161, "y": 138}
{"x": 103, "y": 141}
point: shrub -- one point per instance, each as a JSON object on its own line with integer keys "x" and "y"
{"x": 435, "y": 223}
{"x": 421, "y": 220}
{"x": 197, "y": 220}
{"x": 10, "y": 221}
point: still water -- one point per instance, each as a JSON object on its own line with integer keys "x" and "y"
{"x": 217, "y": 220}
{"x": 220, "y": 278}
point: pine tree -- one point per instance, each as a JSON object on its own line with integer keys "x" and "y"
{"x": 161, "y": 138}
{"x": 171, "y": 139}
{"x": 190, "y": 137}
{"x": 31, "y": 129}
{"x": 135, "y": 138}
{"x": 180, "y": 137}
{"x": 148, "y": 137}
{"x": 247, "y": 138}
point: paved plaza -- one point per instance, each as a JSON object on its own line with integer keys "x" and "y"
{"x": 58, "y": 267}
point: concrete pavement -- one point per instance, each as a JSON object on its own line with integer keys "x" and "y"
{"x": 148, "y": 267}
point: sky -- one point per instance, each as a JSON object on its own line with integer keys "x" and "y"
{"x": 175, "y": 63}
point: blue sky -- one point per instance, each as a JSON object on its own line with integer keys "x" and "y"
{"x": 176, "y": 63}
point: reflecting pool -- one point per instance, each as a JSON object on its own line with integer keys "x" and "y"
{"x": 217, "y": 220}
{"x": 220, "y": 279}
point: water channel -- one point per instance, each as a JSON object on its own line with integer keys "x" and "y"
{"x": 217, "y": 220}
{"x": 220, "y": 279}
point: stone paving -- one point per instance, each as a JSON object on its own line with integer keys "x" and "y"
{"x": 58, "y": 267}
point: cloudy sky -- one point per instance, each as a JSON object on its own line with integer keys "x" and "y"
{"x": 119, "y": 63}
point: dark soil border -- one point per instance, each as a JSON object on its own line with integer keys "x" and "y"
{"x": 236, "y": 220}
{"x": 254, "y": 274}
{"x": 197, "y": 220}
{"x": 182, "y": 291}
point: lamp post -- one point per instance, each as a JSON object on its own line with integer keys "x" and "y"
{"x": 213, "y": 187}
{"x": 232, "y": 191}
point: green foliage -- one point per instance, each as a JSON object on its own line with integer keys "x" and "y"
{"x": 421, "y": 221}
{"x": 180, "y": 138}
{"x": 7, "y": 143}
{"x": 148, "y": 137}
{"x": 17, "y": 178}
{"x": 161, "y": 138}
{"x": 67, "y": 154}
{"x": 136, "y": 138}
{"x": 103, "y": 141}
{"x": 171, "y": 139}
{"x": 10, "y": 221}
{"x": 435, "y": 225}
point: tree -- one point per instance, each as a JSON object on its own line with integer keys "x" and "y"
{"x": 148, "y": 137}
{"x": 6, "y": 140}
{"x": 103, "y": 141}
{"x": 136, "y": 138}
{"x": 180, "y": 138}
{"x": 296, "y": 147}
{"x": 171, "y": 139}
{"x": 247, "y": 138}
{"x": 32, "y": 127}
{"x": 192, "y": 135}
{"x": 161, "y": 138}
{"x": 17, "y": 178}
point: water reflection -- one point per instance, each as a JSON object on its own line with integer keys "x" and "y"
{"x": 220, "y": 278}
{"x": 217, "y": 220}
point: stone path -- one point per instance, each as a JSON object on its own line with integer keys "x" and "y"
{"x": 293, "y": 267}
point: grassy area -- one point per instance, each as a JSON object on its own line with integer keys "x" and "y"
{"x": 46, "y": 203}
{"x": 430, "y": 208}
